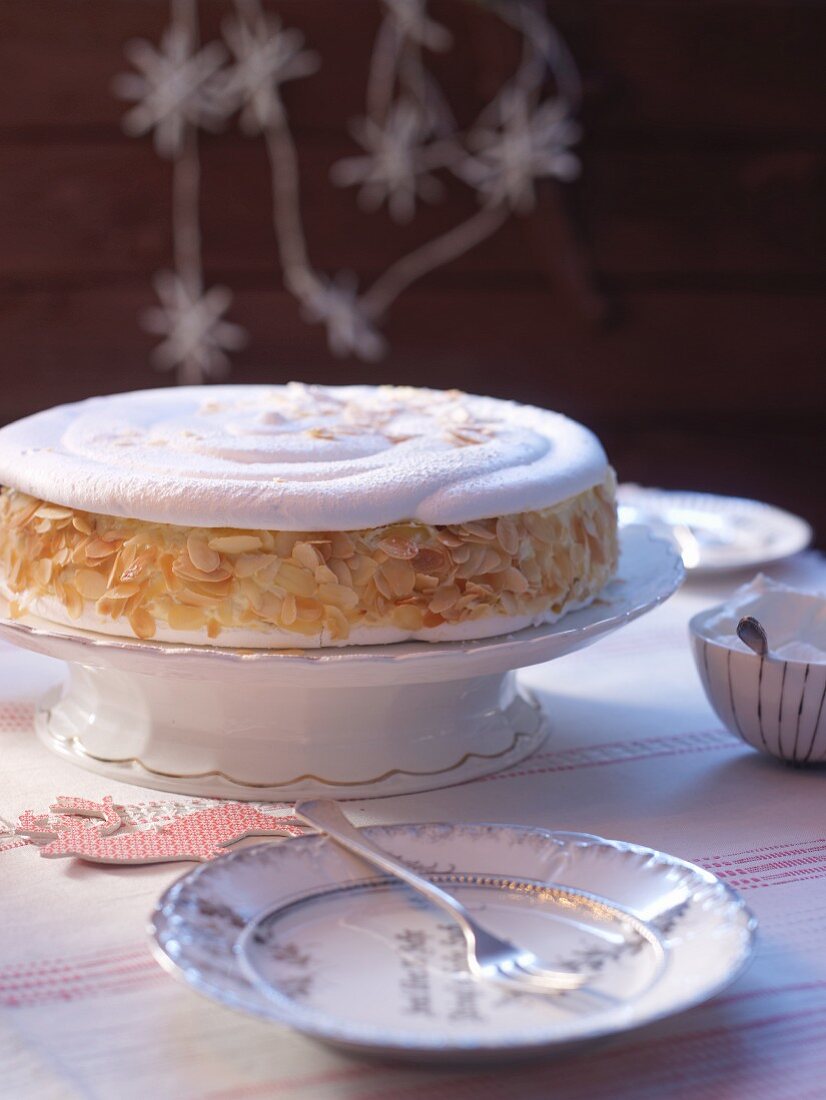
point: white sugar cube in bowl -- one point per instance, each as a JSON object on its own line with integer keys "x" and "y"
{"x": 777, "y": 702}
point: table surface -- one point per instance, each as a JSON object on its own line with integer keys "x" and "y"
{"x": 635, "y": 753}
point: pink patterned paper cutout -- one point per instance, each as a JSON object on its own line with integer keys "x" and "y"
{"x": 201, "y": 835}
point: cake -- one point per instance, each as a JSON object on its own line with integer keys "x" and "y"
{"x": 302, "y": 516}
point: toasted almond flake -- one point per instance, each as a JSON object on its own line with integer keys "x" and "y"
{"x": 444, "y": 598}
{"x": 123, "y": 591}
{"x": 408, "y": 617}
{"x": 53, "y": 511}
{"x": 180, "y": 617}
{"x": 309, "y": 610}
{"x": 90, "y": 585}
{"x": 205, "y": 559}
{"x": 246, "y": 565}
{"x": 289, "y": 610}
{"x": 182, "y": 567}
{"x": 81, "y": 523}
{"x": 341, "y": 571}
{"x": 342, "y": 545}
{"x": 72, "y": 601}
{"x": 142, "y": 623}
{"x": 96, "y": 549}
{"x": 197, "y": 599}
{"x": 400, "y": 576}
{"x": 306, "y": 556}
{"x": 295, "y": 580}
{"x": 430, "y": 559}
{"x": 339, "y": 596}
{"x": 397, "y": 547}
{"x": 336, "y": 623}
{"x": 41, "y": 572}
{"x": 270, "y": 607}
{"x": 507, "y": 535}
{"x": 235, "y": 544}
{"x": 325, "y": 575}
{"x": 479, "y": 531}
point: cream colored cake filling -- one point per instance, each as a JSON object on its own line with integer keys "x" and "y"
{"x": 408, "y": 576}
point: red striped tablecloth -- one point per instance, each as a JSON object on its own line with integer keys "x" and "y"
{"x": 636, "y": 753}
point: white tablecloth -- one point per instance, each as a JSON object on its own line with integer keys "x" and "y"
{"x": 635, "y": 753}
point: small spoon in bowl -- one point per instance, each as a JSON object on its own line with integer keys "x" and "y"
{"x": 752, "y": 633}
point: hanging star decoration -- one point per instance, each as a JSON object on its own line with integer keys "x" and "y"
{"x": 193, "y": 326}
{"x": 410, "y": 149}
{"x": 413, "y": 22}
{"x": 397, "y": 167}
{"x": 170, "y": 87}
{"x": 335, "y": 304}
{"x": 265, "y": 56}
{"x": 514, "y": 145}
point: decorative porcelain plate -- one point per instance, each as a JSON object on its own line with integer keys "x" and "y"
{"x": 307, "y": 935}
{"x": 716, "y": 534}
{"x": 354, "y": 722}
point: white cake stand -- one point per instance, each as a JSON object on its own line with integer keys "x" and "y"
{"x": 357, "y": 722}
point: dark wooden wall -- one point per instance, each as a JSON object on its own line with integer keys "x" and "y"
{"x": 672, "y": 298}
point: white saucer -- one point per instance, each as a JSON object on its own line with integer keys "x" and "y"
{"x": 716, "y": 534}
{"x": 353, "y": 722}
{"x": 306, "y": 935}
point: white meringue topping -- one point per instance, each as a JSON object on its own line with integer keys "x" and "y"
{"x": 299, "y": 457}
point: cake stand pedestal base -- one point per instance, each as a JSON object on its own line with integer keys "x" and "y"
{"x": 271, "y": 740}
{"x": 354, "y": 722}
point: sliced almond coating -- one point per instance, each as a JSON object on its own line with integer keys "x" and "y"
{"x": 306, "y": 555}
{"x": 197, "y": 599}
{"x": 185, "y": 618}
{"x": 124, "y": 591}
{"x": 41, "y": 572}
{"x": 342, "y": 545}
{"x": 295, "y": 580}
{"x": 339, "y": 596}
{"x": 96, "y": 549}
{"x": 508, "y": 535}
{"x": 325, "y": 575}
{"x": 289, "y": 610}
{"x": 309, "y": 610}
{"x": 430, "y": 559}
{"x": 142, "y": 623}
{"x": 247, "y": 565}
{"x": 72, "y": 601}
{"x": 54, "y": 511}
{"x": 81, "y": 523}
{"x": 201, "y": 555}
{"x": 400, "y": 576}
{"x": 444, "y": 598}
{"x": 341, "y": 571}
{"x": 270, "y": 608}
{"x": 235, "y": 544}
{"x": 189, "y": 571}
{"x": 397, "y": 547}
{"x": 336, "y": 623}
{"x": 90, "y": 585}
{"x": 408, "y": 617}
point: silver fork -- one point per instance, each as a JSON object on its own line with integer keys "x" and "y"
{"x": 488, "y": 956}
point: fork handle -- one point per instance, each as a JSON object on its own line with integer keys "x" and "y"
{"x": 327, "y": 816}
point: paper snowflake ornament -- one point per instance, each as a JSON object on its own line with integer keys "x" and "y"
{"x": 170, "y": 88}
{"x": 396, "y": 169}
{"x": 413, "y": 22}
{"x": 197, "y": 336}
{"x": 335, "y": 304}
{"x": 266, "y": 55}
{"x": 515, "y": 144}
{"x": 201, "y": 835}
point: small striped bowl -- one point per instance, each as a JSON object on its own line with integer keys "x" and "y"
{"x": 776, "y": 706}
